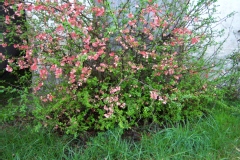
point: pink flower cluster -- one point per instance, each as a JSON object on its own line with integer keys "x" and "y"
{"x": 9, "y": 68}
{"x": 135, "y": 67}
{"x": 38, "y": 87}
{"x": 49, "y": 97}
{"x": 98, "y": 11}
{"x": 43, "y": 73}
{"x": 155, "y": 96}
{"x": 2, "y": 57}
{"x": 109, "y": 111}
{"x": 72, "y": 77}
{"x": 112, "y": 101}
{"x": 116, "y": 89}
{"x": 56, "y": 70}
{"x": 22, "y": 64}
{"x": 7, "y": 19}
{"x": 102, "y": 67}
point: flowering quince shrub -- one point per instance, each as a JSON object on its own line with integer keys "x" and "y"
{"x": 106, "y": 63}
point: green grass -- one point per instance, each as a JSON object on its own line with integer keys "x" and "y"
{"x": 214, "y": 137}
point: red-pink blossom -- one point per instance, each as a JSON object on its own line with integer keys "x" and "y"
{"x": 30, "y": 7}
{"x": 7, "y": 19}
{"x": 194, "y": 40}
{"x": 23, "y": 47}
{"x": 99, "y": 11}
{"x": 150, "y": 37}
{"x": 73, "y": 35}
{"x": 123, "y": 105}
{"x": 10, "y": 61}
{"x": 72, "y": 21}
{"x": 132, "y": 23}
{"x": 130, "y": 15}
{"x": 6, "y": 3}
{"x": 182, "y": 31}
{"x": 111, "y": 54}
{"x": 34, "y": 65}
{"x": 170, "y": 71}
{"x": 113, "y": 90}
{"x": 153, "y": 95}
{"x": 60, "y": 28}
{"x": 95, "y": 44}
{"x": 50, "y": 97}
{"x": 87, "y": 39}
{"x": 58, "y": 72}
{"x": 53, "y": 67}
{"x": 22, "y": 64}
{"x": 9, "y": 68}
{"x": 39, "y": 7}
{"x": 4, "y": 45}
{"x": 41, "y": 36}
{"x": 2, "y": 57}
{"x": 38, "y": 87}
{"x": 89, "y": 28}
{"x": 43, "y": 73}
{"x": 79, "y": 8}
{"x": 78, "y": 63}
{"x": 16, "y": 45}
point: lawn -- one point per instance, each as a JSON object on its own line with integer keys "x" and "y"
{"x": 213, "y": 137}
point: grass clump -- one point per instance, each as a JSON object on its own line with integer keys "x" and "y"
{"x": 214, "y": 137}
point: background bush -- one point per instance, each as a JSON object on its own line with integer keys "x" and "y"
{"x": 129, "y": 64}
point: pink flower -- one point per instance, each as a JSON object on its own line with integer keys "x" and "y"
{"x": 41, "y": 36}
{"x": 130, "y": 15}
{"x": 73, "y": 35}
{"x": 79, "y": 8}
{"x": 113, "y": 90}
{"x": 53, "y": 67}
{"x": 99, "y": 11}
{"x": 132, "y": 23}
{"x": 16, "y": 45}
{"x": 35, "y": 89}
{"x": 29, "y": 7}
{"x": 39, "y": 7}
{"x": 60, "y": 28}
{"x": 7, "y": 19}
{"x": 22, "y": 64}
{"x": 77, "y": 64}
{"x": 34, "y": 67}
{"x": 170, "y": 71}
{"x": 2, "y": 57}
{"x": 72, "y": 21}
{"x": 43, "y": 99}
{"x": 123, "y": 105}
{"x": 43, "y": 73}
{"x": 87, "y": 39}
{"x": 150, "y": 37}
{"x": 72, "y": 77}
{"x": 89, "y": 28}
{"x": 9, "y": 68}
{"x": 95, "y": 44}
{"x": 58, "y": 72}
{"x": 50, "y": 97}
{"x": 4, "y": 45}
{"x": 153, "y": 94}
{"x": 107, "y": 115}
{"x": 143, "y": 53}
{"x": 10, "y": 61}
{"x": 110, "y": 111}
{"x": 111, "y": 54}
{"x": 194, "y": 40}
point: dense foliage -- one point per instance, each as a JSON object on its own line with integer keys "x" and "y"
{"x": 99, "y": 64}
